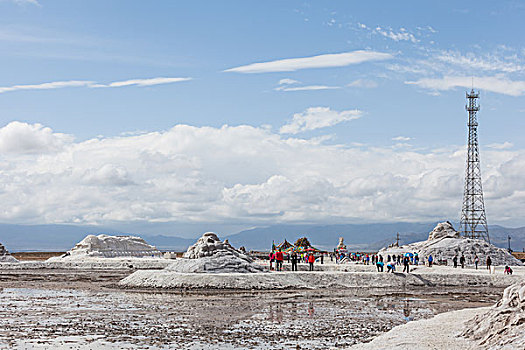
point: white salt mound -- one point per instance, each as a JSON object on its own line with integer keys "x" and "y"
{"x": 210, "y": 255}
{"x": 5, "y": 256}
{"x": 444, "y": 243}
{"x": 104, "y": 246}
{"x": 503, "y": 325}
{"x": 443, "y": 230}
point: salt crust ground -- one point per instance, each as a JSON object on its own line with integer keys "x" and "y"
{"x": 440, "y": 332}
{"x": 503, "y": 325}
{"x": 498, "y": 327}
{"x": 90, "y": 264}
{"x": 358, "y": 276}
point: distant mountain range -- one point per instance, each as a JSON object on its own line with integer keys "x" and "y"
{"x": 366, "y": 237}
{"x": 64, "y": 237}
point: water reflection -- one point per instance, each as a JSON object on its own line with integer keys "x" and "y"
{"x": 311, "y": 309}
{"x": 406, "y": 311}
{"x": 275, "y": 313}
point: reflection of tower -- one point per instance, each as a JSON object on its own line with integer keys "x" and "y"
{"x": 473, "y": 218}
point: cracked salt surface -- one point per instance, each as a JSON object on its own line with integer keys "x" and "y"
{"x": 112, "y": 319}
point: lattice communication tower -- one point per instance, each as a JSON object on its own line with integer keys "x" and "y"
{"x": 473, "y": 218}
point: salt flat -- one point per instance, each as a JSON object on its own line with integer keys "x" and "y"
{"x": 331, "y": 276}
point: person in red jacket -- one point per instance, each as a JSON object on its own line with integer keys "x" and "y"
{"x": 279, "y": 258}
{"x": 271, "y": 257}
{"x": 311, "y": 260}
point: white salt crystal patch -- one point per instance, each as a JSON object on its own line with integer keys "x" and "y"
{"x": 503, "y": 325}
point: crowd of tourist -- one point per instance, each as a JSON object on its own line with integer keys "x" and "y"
{"x": 311, "y": 256}
{"x": 277, "y": 258}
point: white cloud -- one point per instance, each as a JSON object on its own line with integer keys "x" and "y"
{"x": 320, "y": 61}
{"x": 402, "y": 35}
{"x": 368, "y": 84}
{"x": 487, "y": 62}
{"x": 46, "y": 86}
{"x": 288, "y": 81}
{"x": 241, "y": 173}
{"x": 306, "y": 88}
{"x": 401, "y": 138}
{"x": 504, "y": 145}
{"x": 19, "y": 138}
{"x": 498, "y": 84}
{"x": 316, "y": 118}
{"x": 401, "y": 145}
{"x": 143, "y": 82}
{"x": 92, "y": 84}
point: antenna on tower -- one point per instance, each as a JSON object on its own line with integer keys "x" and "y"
{"x": 473, "y": 218}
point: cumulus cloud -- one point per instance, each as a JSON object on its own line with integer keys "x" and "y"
{"x": 497, "y": 84}
{"x": 239, "y": 174}
{"x": 92, "y": 84}
{"x": 319, "y": 61}
{"x": 19, "y": 138}
{"x": 318, "y": 117}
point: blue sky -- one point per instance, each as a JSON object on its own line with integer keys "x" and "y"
{"x": 97, "y": 41}
{"x": 383, "y": 78}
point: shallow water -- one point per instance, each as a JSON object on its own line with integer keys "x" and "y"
{"x": 33, "y": 318}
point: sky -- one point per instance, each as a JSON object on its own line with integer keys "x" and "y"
{"x": 249, "y": 113}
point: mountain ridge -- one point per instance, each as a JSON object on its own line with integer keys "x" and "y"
{"x": 366, "y": 237}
